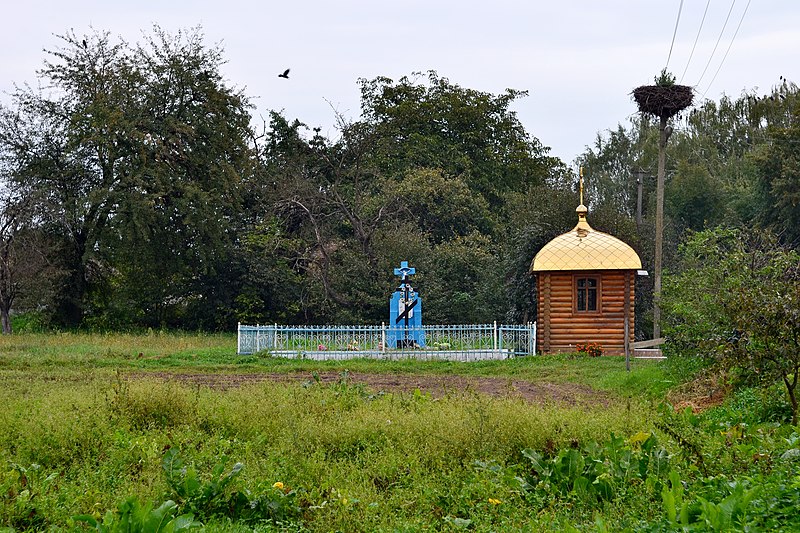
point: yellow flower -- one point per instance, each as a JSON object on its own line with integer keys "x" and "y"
{"x": 278, "y": 485}
{"x": 494, "y": 501}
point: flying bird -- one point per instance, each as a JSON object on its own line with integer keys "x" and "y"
{"x": 285, "y": 74}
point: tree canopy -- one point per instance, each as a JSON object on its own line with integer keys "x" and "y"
{"x": 151, "y": 199}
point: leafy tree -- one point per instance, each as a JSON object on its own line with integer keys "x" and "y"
{"x": 464, "y": 132}
{"x": 129, "y": 157}
{"x": 694, "y": 197}
{"x": 442, "y": 206}
{"x": 183, "y": 203}
{"x": 465, "y": 282}
{"x": 724, "y": 153}
{"x": 24, "y": 264}
{"x": 737, "y": 299}
{"x": 330, "y": 203}
{"x": 610, "y": 166}
{"x": 778, "y": 187}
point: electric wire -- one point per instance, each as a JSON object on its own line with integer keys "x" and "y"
{"x": 729, "y": 48}
{"x": 674, "y": 33}
{"x": 700, "y": 29}
{"x": 733, "y": 3}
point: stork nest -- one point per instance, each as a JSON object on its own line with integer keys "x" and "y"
{"x": 661, "y": 101}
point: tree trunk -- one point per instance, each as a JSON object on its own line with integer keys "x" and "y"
{"x": 6, "y": 320}
{"x": 70, "y": 305}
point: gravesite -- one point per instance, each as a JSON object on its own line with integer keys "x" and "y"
{"x": 403, "y": 337}
{"x": 222, "y": 313}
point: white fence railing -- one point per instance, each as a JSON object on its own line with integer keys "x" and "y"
{"x": 463, "y": 342}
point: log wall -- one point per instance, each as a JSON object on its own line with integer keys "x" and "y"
{"x": 560, "y": 327}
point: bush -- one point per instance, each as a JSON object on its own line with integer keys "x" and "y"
{"x": 28, "y": 322}
{"x": 737, "y": 300}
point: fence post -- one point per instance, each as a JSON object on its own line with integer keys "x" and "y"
{"x": 494, "y": 336}
{"x": 383, "y": 337}
{"x": 239, "y": 339}
{"x": 500, "y": 337}
{"x": 627, "y": 348}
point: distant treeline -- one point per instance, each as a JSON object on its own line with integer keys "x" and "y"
{"x": 138, "y": 192}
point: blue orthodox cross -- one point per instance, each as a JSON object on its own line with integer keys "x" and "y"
{"x": 405, "y": 312}
{"x": 404, "y": 271}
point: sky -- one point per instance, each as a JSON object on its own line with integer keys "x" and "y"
{"x": 579, "y": 60}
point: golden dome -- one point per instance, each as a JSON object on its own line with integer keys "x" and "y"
{"x": 585, "y": 248}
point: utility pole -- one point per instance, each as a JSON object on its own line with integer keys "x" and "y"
{"x": 664, "y": 133}
{"x": 665, "y": 99}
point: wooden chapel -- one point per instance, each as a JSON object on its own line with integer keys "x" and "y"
{"x": 585, "y": 280}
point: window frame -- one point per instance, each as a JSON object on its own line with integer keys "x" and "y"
{"x": 599, "y": 294}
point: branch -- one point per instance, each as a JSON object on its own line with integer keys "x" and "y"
{"x": 321, "y": 244}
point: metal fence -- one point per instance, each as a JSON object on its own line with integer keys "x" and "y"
{"x": 466, "y": 342}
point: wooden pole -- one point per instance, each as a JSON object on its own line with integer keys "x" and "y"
{"x": 664, "y": 133}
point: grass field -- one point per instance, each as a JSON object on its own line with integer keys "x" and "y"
{"x": 90, "y": 428}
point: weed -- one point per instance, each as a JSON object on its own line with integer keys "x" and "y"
{"x": 133, "y": 516}
{"x": 21, "y": 490}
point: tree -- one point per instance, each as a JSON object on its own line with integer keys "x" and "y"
{"x": 26, "y": 271}
{"x": 135, "y": 160}
{"x": 22, "y": 260}
{"x": 778, "y": 186}
{"x": 465, "y": 282}
{"x": 737, "y": 298}
{"x": 611, "y": 163}
{"x": 694, "y": 197}
{"x": 443, "y": 207}
{"x": 464, "y": 132}
{"x": 179, "y": 219}
{"x": 329, "y": 203}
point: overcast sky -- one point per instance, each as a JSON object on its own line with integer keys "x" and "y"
{"x": 578, "y": 59}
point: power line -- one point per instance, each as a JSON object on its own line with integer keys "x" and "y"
{"x": 729, "y": 48}
{"x": 674, "y": 33}
{"x": 715, "y": 46}
{"x": 695, "y": 40}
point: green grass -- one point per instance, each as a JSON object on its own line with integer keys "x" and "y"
{"x": 66, "y": 352}
{"x": 80, "y": 435}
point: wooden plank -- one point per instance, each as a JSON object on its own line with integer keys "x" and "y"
{"x": 649, "y": 344}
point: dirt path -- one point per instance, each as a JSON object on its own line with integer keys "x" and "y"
{"x": 436, "y": 385}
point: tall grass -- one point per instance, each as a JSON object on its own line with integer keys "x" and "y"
{"x": 375, "y": 460}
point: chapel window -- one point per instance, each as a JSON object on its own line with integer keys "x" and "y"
{"x": 586, "y": 292}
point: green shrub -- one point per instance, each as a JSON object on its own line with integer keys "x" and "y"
{"x": 28, "y": 322}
